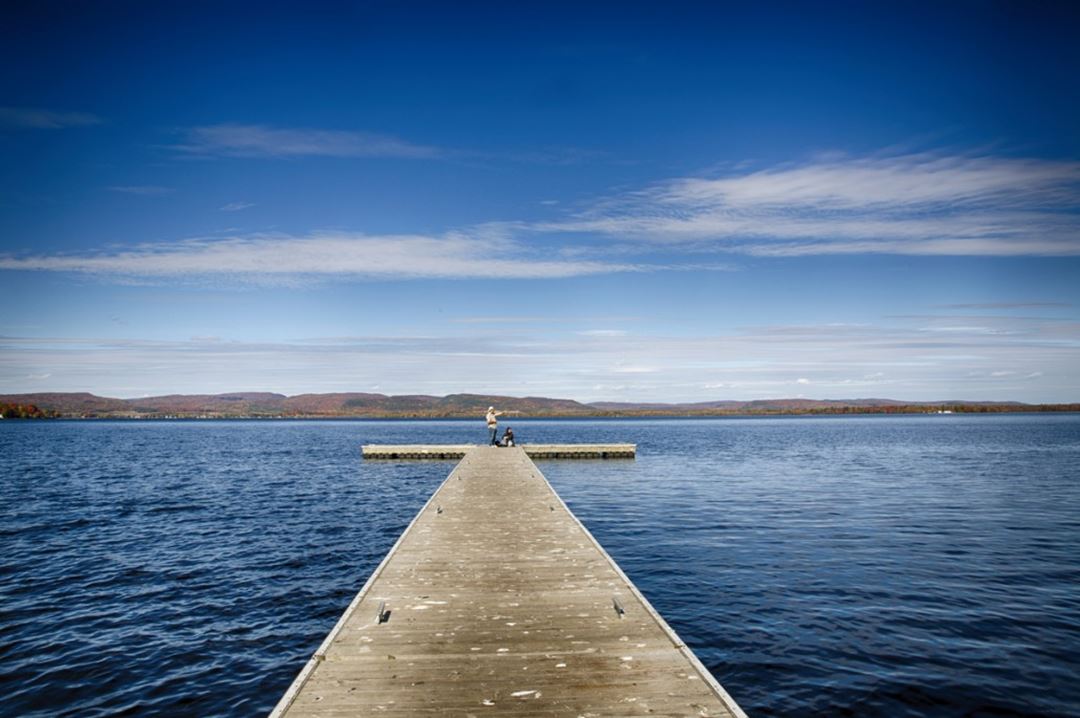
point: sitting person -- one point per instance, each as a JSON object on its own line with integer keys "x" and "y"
{"x": 508, "y": 437}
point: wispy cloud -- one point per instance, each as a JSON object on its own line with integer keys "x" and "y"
{"x": 529, "y": 319}
{"x": 284, "y": 258}
{"x": 1006, "y": 305}
{"x": 142, "y": 189}
{"x": 892, "y": 358}
{"x": 912, "y": 204}
{"x": 238, "y": 140}
{"x": 236, "y": 206}
{"x": 625, "y": 369}
{"x": 929, "y": 204}
{"x": 603, "y": 333}
{"x": 30, "y": 118}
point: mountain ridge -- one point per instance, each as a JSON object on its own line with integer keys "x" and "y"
{"x": 373, "y": 405}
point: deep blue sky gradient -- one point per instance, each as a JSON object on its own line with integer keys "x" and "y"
{"x": 521, "y": 119}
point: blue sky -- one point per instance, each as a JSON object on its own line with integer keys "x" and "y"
{"x": 671, "y": 202}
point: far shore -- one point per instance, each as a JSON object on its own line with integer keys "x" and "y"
{"x": 878, "y": 411}
{"x": 357, "y": 405}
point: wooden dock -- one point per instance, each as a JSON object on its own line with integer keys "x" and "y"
{"x": 534, "y": 451}
{"x": 497, "y": 601}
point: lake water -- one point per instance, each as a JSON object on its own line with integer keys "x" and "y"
{"x": 854, "y": 566}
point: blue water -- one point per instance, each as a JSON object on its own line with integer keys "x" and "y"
{"x": 856, "y": 566}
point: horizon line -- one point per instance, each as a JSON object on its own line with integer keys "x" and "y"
{"x": 488, "y": 396}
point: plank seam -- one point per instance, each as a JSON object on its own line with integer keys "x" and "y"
{"x": 677, "y": 642}
{"x": 320, "y": 653}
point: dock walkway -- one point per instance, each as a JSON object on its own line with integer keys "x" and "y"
{"x": 497, "y": 601}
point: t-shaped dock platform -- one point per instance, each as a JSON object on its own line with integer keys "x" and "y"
{"x": 533, "y": 451}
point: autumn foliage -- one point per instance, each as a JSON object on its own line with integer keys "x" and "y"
{"x": 24, "y": 411}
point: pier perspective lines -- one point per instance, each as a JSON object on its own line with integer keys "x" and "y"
{"x": 497, "y": 601}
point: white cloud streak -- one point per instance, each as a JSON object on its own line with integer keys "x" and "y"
{"x": 533, "y": 319}
{"x": 29, "y": 118}
{"x": 905, "y": 205}
{"x": 280, "y": 258}
{"x": 922, "y": 204}
{"x": 262, "y": 141}
{"x": 1030, "y": 359}
{"x": 142, "y": 190}
{"x": 236, "y": 206}
{"x": 603, "y": 333}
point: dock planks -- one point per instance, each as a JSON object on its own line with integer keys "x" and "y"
{"x": 498, "y": 602}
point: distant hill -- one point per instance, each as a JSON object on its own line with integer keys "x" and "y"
{"x": 260, "y": 404}
{"x": 68, "y": 403}
{"x": 240, "y": 403}
{"x": 422, "y": 405}
{"x": 793, "y": 405}
{"x": 265, "y": 404}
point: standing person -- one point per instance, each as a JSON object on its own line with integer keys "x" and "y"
{"x": 493, "y": 423}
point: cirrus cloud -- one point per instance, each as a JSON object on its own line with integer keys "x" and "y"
{"x": 236, "y": 206}
{"x": 32, "y": 118}
{"x": 928, "y": 204}
{"x": 283, "y": 258}
{"x": 263, "y": 141}
{"x": 141, "y": 190}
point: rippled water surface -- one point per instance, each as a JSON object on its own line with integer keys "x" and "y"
{"x": 856, "y": 566}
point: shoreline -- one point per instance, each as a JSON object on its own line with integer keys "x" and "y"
{"x": 613, "y": 416}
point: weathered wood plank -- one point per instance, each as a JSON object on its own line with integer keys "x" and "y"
{"x": 501, "y": 603}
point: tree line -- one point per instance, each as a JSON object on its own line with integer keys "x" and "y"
{"x": 26, "y": 411}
